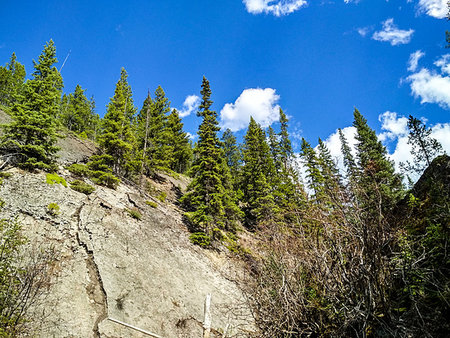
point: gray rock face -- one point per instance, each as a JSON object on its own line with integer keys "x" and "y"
{"x": 111, "y": 266}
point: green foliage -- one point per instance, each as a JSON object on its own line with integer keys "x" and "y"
{"x": 31, "y": 136}
{"x": 424, "y": 148}
{"x": 162, "y": 196}
{"x": 201, "y": 239}
{"x": 12, "y": 78}
{"x": 134, "y": 213}
{"x": 116, "y": 139}
{"x": 257, "y": 171}
{"x": 82, "y": 187}
{"x": 80, "y": 170}
{"x": 53, "y": 209}
{"x": 377, "y": 180}
{"x": 55, "y": 179}
{"x": 77, "y": 114}
{"x": 181, "y": 151}
{"x": 152, "y": 204}
{"x": 209, "y": 199}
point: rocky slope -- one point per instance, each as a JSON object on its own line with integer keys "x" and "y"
{"x": 112, "y": 267}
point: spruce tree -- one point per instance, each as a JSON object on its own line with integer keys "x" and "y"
{"x": 258, "y": 169}
{"x": 232, "y": 153}
{"x": 30, "y": 138}
{"x": 378, "y": 184}
{"x": 116, "y": 139}
{"x": 77, "y": 112}
{"x": 285, "y": 143}
{"x": 159, "y": 134}
{"x": 315, "y": 179}
{"x": 424, "y": 148}
{"x": 349, "y": 160}
{"x": 12, "y": 79}
{"x": 181, "y": 151}
{"x": 210, "y": 202}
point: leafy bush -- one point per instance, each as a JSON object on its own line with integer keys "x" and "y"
{"x": 53, "y": 209}
{"x": 55, "y": 179}
{"x": 82, "y": 187}
{"x": 152, "y": 204}
{"x": 135, "y": 214}
{"x": 201, "y": 239}
{"x": 80, "y": 170}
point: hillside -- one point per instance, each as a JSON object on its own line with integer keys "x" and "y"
{"x": 110, "y": 265}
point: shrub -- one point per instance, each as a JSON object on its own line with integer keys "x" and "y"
{"x": 105, "y": 178}
{"x": 162, "y": 196}
{"x": 53, "y": 209}
{"x": 135, "y": 214}
{"x": 55, "y": 179}
{"x": 82, "y": 187}
{"x": 80, "y": 170}
{"x": 201, "y": 239}
{"x": 152, "y": 204}
{"x": 5, "y": 175}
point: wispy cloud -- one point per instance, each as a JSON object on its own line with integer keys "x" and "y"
{"x": 259, "y": 103}
{"x": 431, "y": 85}
{"x": 274, "y": 7}
{"x": 392, "y": 34}
{"x": 190, "y": 104}
{"x": 363, "y": 31}
{"x": 435, "y": 8}
{"x": 413, "y": 61}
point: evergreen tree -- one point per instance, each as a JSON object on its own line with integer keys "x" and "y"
{"x": 159, "y": 134}
{"x": 31, "y": 136}
{"x": 232, "y": 153}
{"x": 330, "y": 174}
{"x": 315, "y": 179}
{"x": 257, "y": 171}
{"x": 12, "y": 78}
{"x": 286, "y": 151}
{"x": 424, "y": 148}
{"x": 181, "y": 151}
{"x": 116, "y": 139}
{"x": 210, "y": 201}
{"x": 77, "y": 112}
{"x": 378, "y": 184}
{"x": 349, "y": 160}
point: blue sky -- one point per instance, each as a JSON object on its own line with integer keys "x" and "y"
{"x": 315, "y": 59}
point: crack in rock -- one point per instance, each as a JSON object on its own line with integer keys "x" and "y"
{"x": 95, "y": 277}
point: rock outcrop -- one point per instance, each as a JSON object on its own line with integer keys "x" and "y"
{"x": 112, "y": 267}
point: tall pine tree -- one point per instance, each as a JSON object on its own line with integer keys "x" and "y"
{"x": 12, "y": 79}
{"x": 378, "y": 184}
{"x": 116, "y": 139}
{"x": 257, "y": 173}
{"x": 210, "y": 201}
{"x": 30, "y": 138}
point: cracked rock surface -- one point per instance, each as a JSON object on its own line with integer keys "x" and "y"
{"x": 142, "y": 272}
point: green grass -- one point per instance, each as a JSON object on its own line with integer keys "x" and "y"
{"x": 55, "y": 179}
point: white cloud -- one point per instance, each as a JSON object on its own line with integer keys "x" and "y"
{"x": 392, "y": 34}
{"x": 191, "y": 136}
{"x": 190, "y": 104}
{"x": 259, "y": 103}
{"x": 432, "y": 86}
{"x": 363, "y": 31}
{"x": 434, "y": 8}
{"x": 394, "y": 126}
{"x": 277, "y": 8}
{"x": 444, "y": 64}
{"x": 414, "y": 60}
